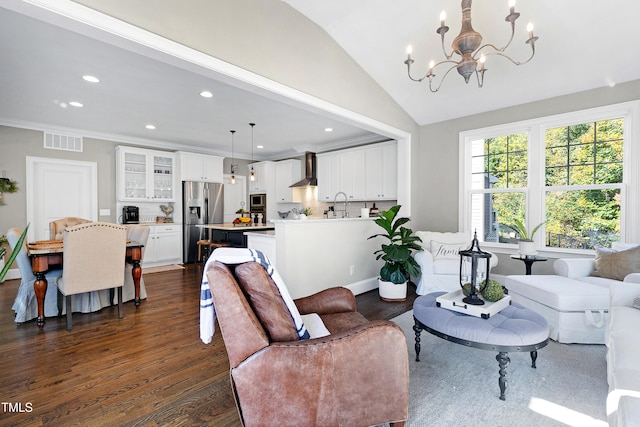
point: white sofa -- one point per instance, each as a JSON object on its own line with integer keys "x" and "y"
{"x": 575, "y": 304}
{"x": 439, "y": 260}
{"x": 623, "y": 355}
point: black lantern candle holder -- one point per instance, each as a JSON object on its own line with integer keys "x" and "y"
{"x": 475, "y": 254}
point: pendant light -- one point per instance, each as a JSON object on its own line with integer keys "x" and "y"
{"x": 233, "y": 169}
{"x": 252, "y": 176}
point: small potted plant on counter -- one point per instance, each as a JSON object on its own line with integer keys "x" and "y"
{"x": 399, "y": 265}
{"x": 526, "y": 245}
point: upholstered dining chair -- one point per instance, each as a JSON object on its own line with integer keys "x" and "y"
{"x": 25, "y": 304}
{"x": 57, "y": 227}
{"x": 357, "y": 375}
{"x": 135, "y": 233}
{"x": 93, "y": 260}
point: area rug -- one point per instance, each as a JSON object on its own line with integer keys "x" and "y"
{"x": 162, "y": 268}
{"x": 457, "y": 385}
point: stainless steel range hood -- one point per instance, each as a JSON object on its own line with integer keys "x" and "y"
{"x": 310, "y": 178}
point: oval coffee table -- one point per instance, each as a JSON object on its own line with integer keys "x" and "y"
{"x": 514, "y": 328}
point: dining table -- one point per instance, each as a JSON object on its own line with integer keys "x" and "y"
{"x": 48, "y": 255}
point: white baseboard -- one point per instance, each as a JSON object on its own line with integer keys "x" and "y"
{"x": 363, "y": 286}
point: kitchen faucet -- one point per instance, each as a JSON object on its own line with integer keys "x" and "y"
{"x": 345, "y": 212}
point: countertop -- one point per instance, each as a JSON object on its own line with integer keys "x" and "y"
{"x": 316, "y": 220}
{"x": 263, "y": 233}
{"x": 227, "y": 226}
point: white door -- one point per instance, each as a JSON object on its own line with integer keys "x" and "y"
{"x": 235, "y": 196}
{"x": 58, "y": 188}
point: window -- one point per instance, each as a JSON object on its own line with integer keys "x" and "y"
{"x": 571, "y": 172}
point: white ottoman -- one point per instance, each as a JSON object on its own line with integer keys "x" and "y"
{"x": 577, "y": 311}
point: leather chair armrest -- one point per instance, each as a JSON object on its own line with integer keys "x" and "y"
{"x": 329, "y": 378}
{"x": 329, "y": 301}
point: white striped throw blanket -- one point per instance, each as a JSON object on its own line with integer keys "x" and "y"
{"x": 236, "y": 256}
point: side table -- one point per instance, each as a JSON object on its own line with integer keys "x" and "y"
{"x": 528, "y": 261}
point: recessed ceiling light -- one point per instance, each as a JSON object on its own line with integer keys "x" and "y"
{"x": 328, "y": 129}
{"x": 150, "y": 127}
{"x": 91, "y": 79}
{"x": 76, "y": 104}
{"x": 259, "y": 146}
{"x": 206, "y": 94}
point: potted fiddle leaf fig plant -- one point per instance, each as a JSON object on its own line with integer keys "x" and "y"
{"x": 526, "y": 245}
{"x": 398, "y": 265}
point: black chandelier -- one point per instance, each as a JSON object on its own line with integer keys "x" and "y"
{"x": 468, "y": 45}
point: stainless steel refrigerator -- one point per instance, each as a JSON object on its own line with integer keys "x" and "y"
{"x": 203, "y": 203}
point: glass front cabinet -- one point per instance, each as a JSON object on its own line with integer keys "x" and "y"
{"x": 144, "y": 175}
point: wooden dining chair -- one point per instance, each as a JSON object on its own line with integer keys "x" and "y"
{"x": 93, "y": 259}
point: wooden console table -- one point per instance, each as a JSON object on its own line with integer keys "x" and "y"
{"x": 43, "y": 260}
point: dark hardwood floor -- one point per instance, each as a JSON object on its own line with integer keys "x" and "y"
{"x": 148, "y": 369}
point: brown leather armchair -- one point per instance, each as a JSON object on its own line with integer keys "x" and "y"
{"x": 57, "y": 227}
{"x": 357, "y": 376}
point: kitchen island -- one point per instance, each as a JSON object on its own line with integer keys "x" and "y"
{"x": 232, "y": 233}
{"x": 316, "y": 254}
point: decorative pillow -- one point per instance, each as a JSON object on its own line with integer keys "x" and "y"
{"x": 442, "y": 251}
{"x": 616, "y": 265}
{"x": 267, "y": 303}
{"x": 636, "y": 303}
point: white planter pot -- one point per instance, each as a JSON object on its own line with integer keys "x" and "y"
{"x": 391, "y": 292}
{"x": 527, "y": 248}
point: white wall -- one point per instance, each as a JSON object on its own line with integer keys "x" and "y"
{"x": 318, "y": 254}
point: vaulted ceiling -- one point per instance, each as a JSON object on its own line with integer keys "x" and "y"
{"x": 582, "y": 45}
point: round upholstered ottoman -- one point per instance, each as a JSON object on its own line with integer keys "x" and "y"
{"x": 514, "y": 328}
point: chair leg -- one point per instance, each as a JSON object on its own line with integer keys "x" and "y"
{"x": 60, "y": 300}
{"x": 69, "y": 310}
{"x": 120, "y": 312}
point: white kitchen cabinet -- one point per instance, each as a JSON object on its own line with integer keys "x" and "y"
{"x": 352, "y": 174}
{"x": 164, "y": 245}
{"x": 144, "y": 175}
{"x": 200, "y": 167}
{"x": 328, "y": 176}
{"x": 287, "y": 172}
{"x": 265, "y": 178}
{"x": 381, "y": 170}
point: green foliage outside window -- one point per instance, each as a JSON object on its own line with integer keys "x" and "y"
{"x": 586, "y": 155}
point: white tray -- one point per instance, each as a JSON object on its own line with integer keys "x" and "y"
{"x": 453, "y": 301}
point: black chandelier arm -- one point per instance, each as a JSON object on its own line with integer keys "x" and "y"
{"x": 444, "y": 51}
{"x": 500, "y": 53}
{"x": 480, "y": 76}
{"x": 444, "y": 76}
{"x": 429, "y": 73}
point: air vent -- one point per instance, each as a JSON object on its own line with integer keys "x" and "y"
{"x": 54, "y": 141}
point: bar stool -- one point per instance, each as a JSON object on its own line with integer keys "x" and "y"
{"x": 214, "y": 245}
{"x": 203, "y": 246}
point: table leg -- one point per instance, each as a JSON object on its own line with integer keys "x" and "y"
{"x": 503, "y": 361}
{"x": 527, "y": 267}
{"x": 40, "y": 288}
{"x": 136, "y": 273}
{"x": 534, "y": 357}
{"x": 417, "y": 329}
